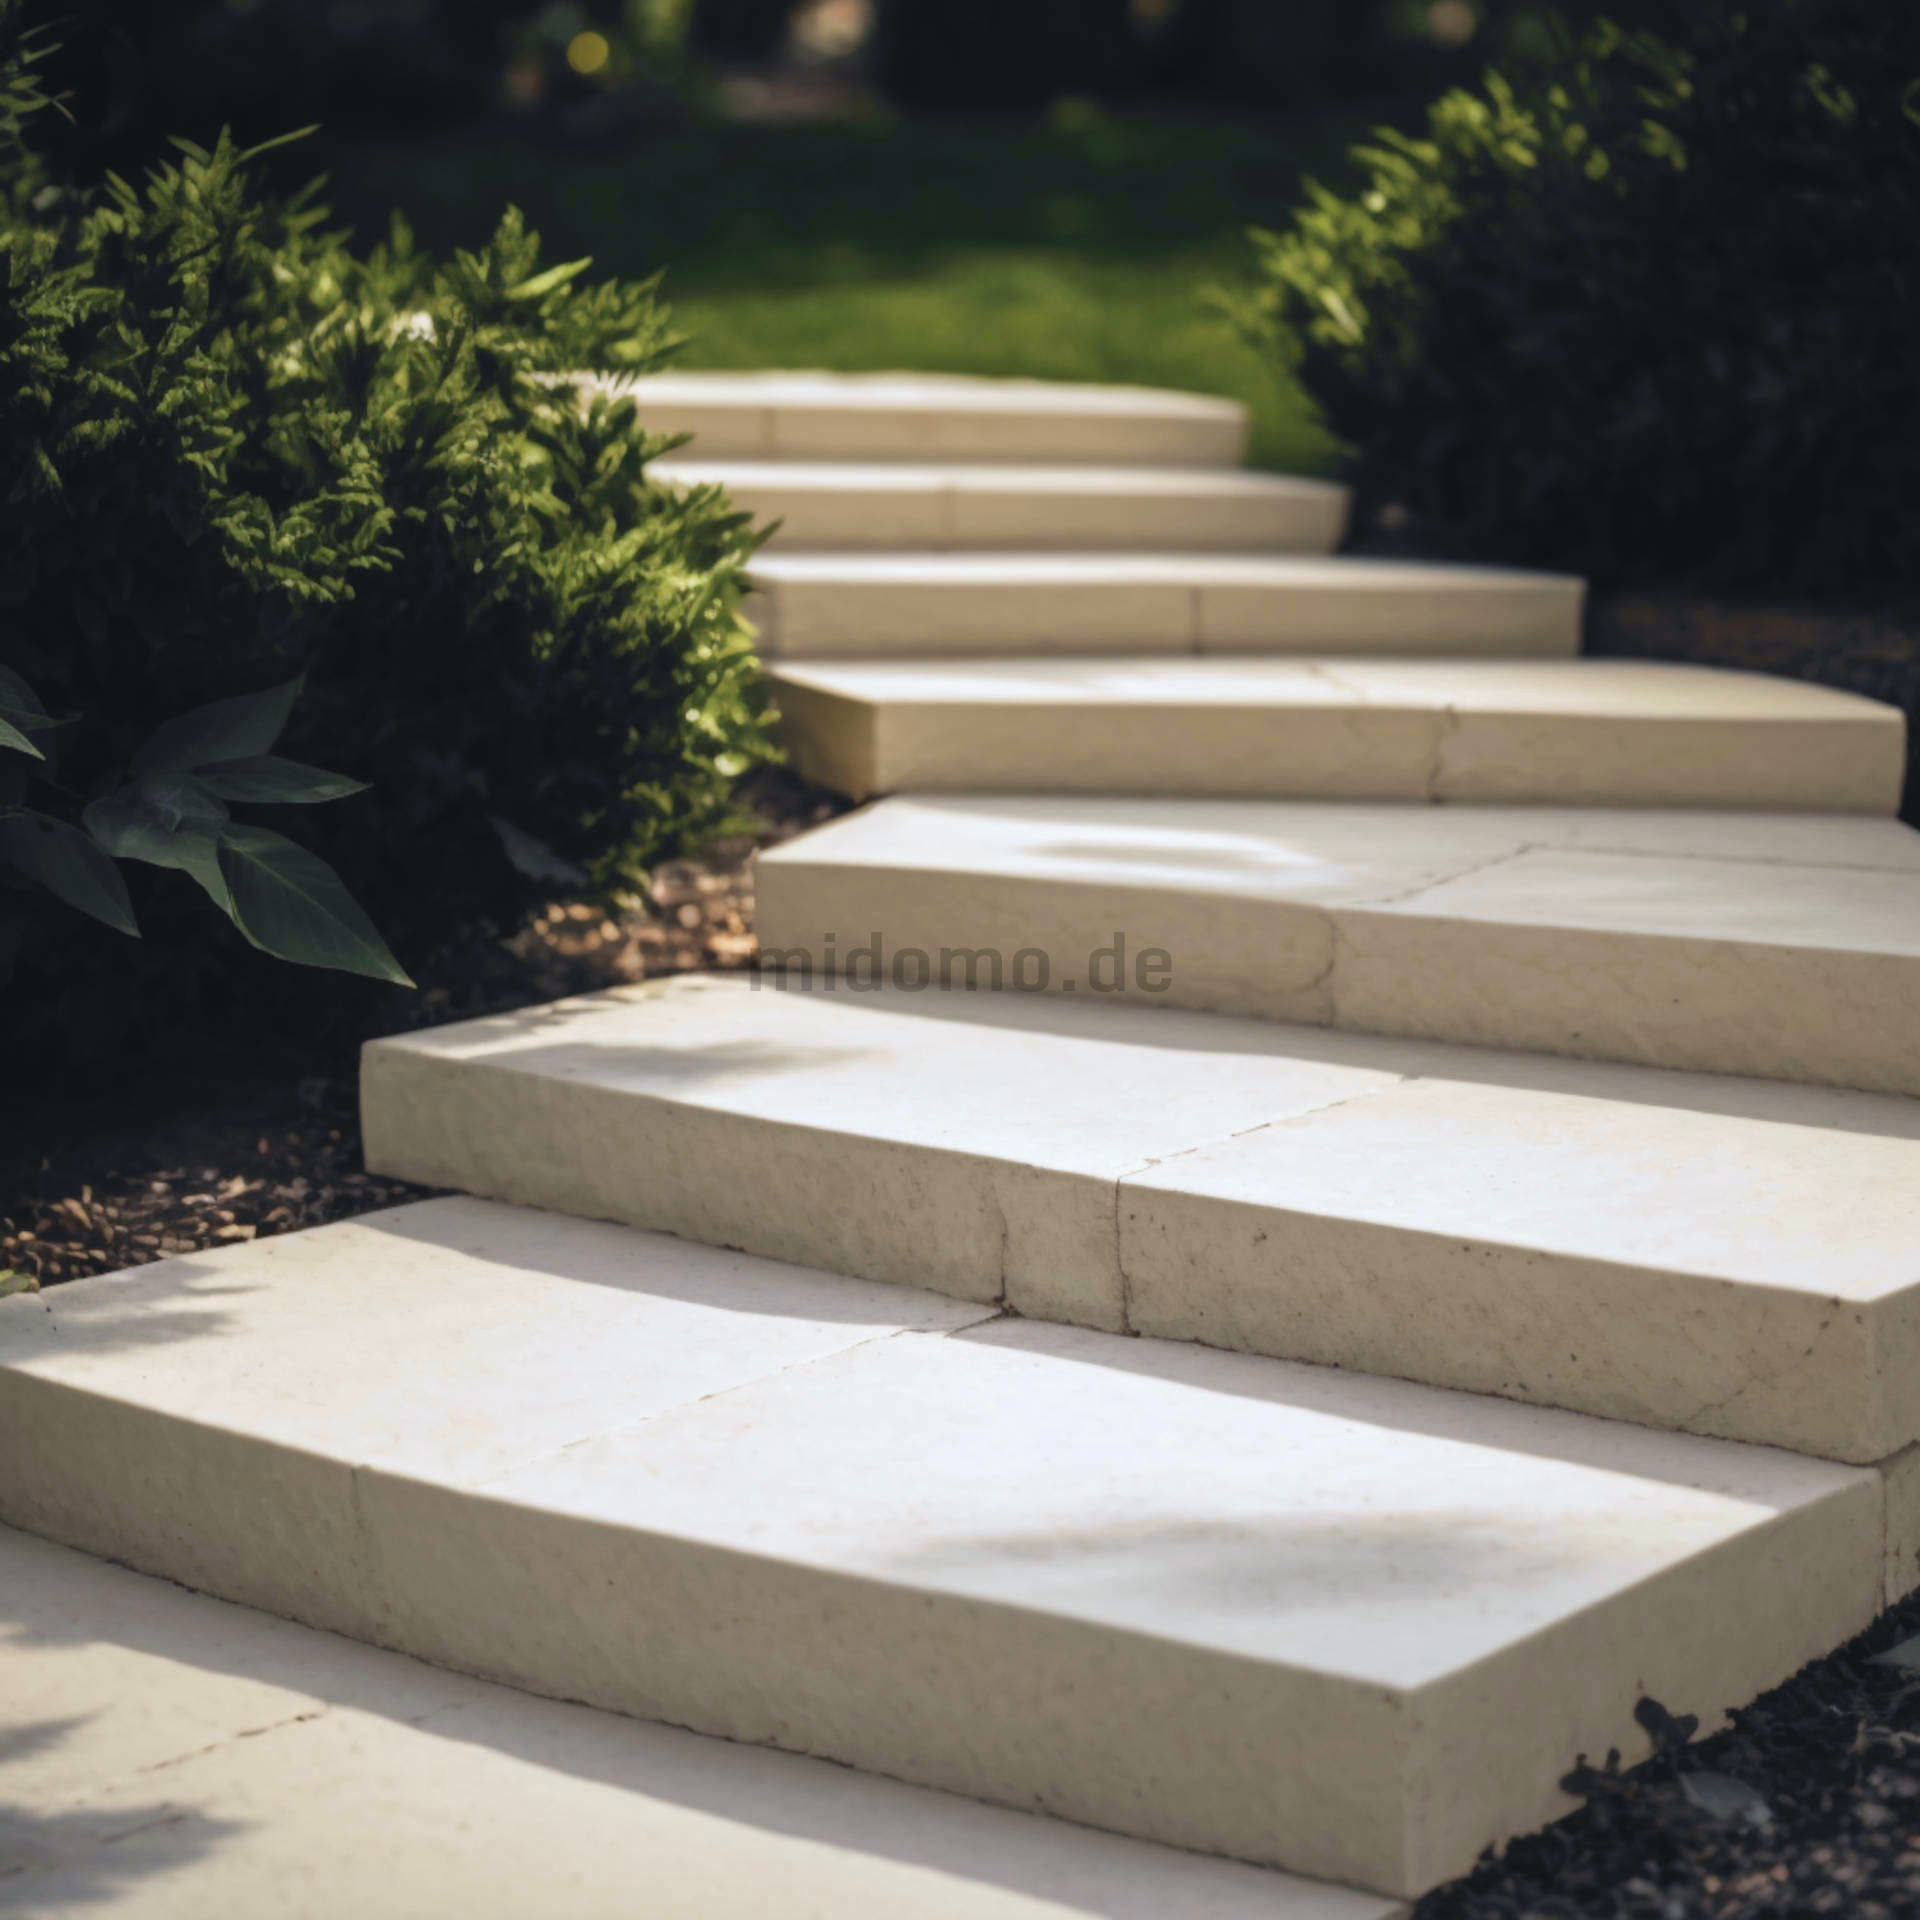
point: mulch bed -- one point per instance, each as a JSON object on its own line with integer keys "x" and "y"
{"x": 1809, "y": 1804}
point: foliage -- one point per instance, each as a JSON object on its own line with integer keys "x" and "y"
{"x": 235, "y": 451}
{"x": 172, "y": 811}
{"x": 1647, "y": 313}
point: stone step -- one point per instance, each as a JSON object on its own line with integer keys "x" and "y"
{"x": 1605, "y": 732}
{"x": 836, "y": 505}
{"x": 930, "y": 416}
{"x": 1785, "y": 945}
{"x": 204, "y": 1759}
{"x": 1353, "y": 1628}
{"x": 813, "y": 605}
{"x": 1689, "y": 1251}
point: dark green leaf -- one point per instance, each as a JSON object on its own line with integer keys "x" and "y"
{"x": 268, "y": 779}
{"x": 555, "y": 276}
{"x": 534, "y": 858}
{"x": 64, "y": 861}
{"x": 291, "y": 904}
{"x": 225, "y": 730}
{"x": 20, "y": 706}
{"x": 15, "y": 741}
{"x": 129, "y": 830}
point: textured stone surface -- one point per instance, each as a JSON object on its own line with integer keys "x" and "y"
{"x": 1782, "y": 945}
{"x": 168, "y": 1754}
{"x": 1717, "y": 1255}
{"x": 1353, "y": 1627}
{"x": 812, "y": 605}
{"x": 918, "y": 416}
{"x": 1610, "y": 732}
{"x": 841, "y": 505}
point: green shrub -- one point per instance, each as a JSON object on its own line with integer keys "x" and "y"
{"x": 1648, "y": 313}
{"x": 234, "y": 451}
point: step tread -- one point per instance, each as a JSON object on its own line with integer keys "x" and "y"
{"x": 1687, "y": 1250}
{"x": 1351, "y": 1626}
{"x": 279, "y": 1740}
{"x": 1668, "y": 936}
{"x": 934, "y": 602}
{"x": 1580, "y": 731}
{"x": 844, "y": 505}
{"x": 951, "y": 416}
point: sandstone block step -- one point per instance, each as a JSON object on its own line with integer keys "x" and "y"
{"x": 834, "y": 504}
{"x": 1355, "y": 1628}
{"x": 1690, "y": 1251}
{"x": 203, "y": 1759}
{"x": 810, "y": 605}
{"x": 930, "y": 416}
{"x": 1785, "y": 945}
{"x": 1606, "y": 732}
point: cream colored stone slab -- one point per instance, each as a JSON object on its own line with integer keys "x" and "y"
{"x": 168, "y": 1754}
{"x": 1790, "y": 971}
{"x": 1335, "y": 605}
{"x": 1353, "y": 1627}
{"x": 839, "y": 505}
{"x": 1580, "y": 731}
{"x": 1701, "y": 1271}
{"x": 1667, "y": 937}
{"x": 821, "y": 604}
{"x": 966, "y": 1142}
{"x": 1643, "y": 732}
{"x": 814, "y": 604}
{"x": 830, "y": 504}
{"x": 827, "y": 416}
{"x": 1135, "y": 507}
{"x": 557, "y": 1329}
{"x": 1155, "y": 726}
{"x": 1901, "y": 1475}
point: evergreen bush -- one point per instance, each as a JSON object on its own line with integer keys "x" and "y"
{"x": 235, "y": 451}
{"x": 1647, "y": 313}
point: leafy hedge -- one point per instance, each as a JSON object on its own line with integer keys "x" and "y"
{"x": 234, "y": 451}
{"x": 1647, "y": 313}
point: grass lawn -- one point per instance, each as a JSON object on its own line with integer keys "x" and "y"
{"x": 1077, "y": 250}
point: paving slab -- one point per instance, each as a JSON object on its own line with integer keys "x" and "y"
{"x": 814, "y": 605}
{"x": 1785, "y": 945}
{"x": 831, "y": 504}
{"x": 1691, "y": 1251}
{"x": 170, "y": 1754}
{"x": 922, "y": 416}
{"x": 1355, "y": 1628}
{"x": 1585, "y": 732}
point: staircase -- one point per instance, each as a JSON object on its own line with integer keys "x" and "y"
{"x": 1204, "y": 1292}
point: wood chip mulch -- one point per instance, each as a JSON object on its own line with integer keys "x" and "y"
{"x": 279, "y": 1158}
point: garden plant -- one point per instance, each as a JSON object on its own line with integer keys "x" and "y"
{"x": 1643, "y": 311}
{"x": 239, "y": 452}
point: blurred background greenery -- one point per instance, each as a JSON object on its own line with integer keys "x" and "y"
{"x": 1037, "y": 187}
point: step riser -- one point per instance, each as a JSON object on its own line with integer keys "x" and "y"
{"x": 839, "y": 618}
{"x": 1703, "y": 1005}
{"x": 941, "y": 517}
{"x": 1481, "y": 1258}
{"x": 1355, "y": 753}
{"x": 929, "y": 1613}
